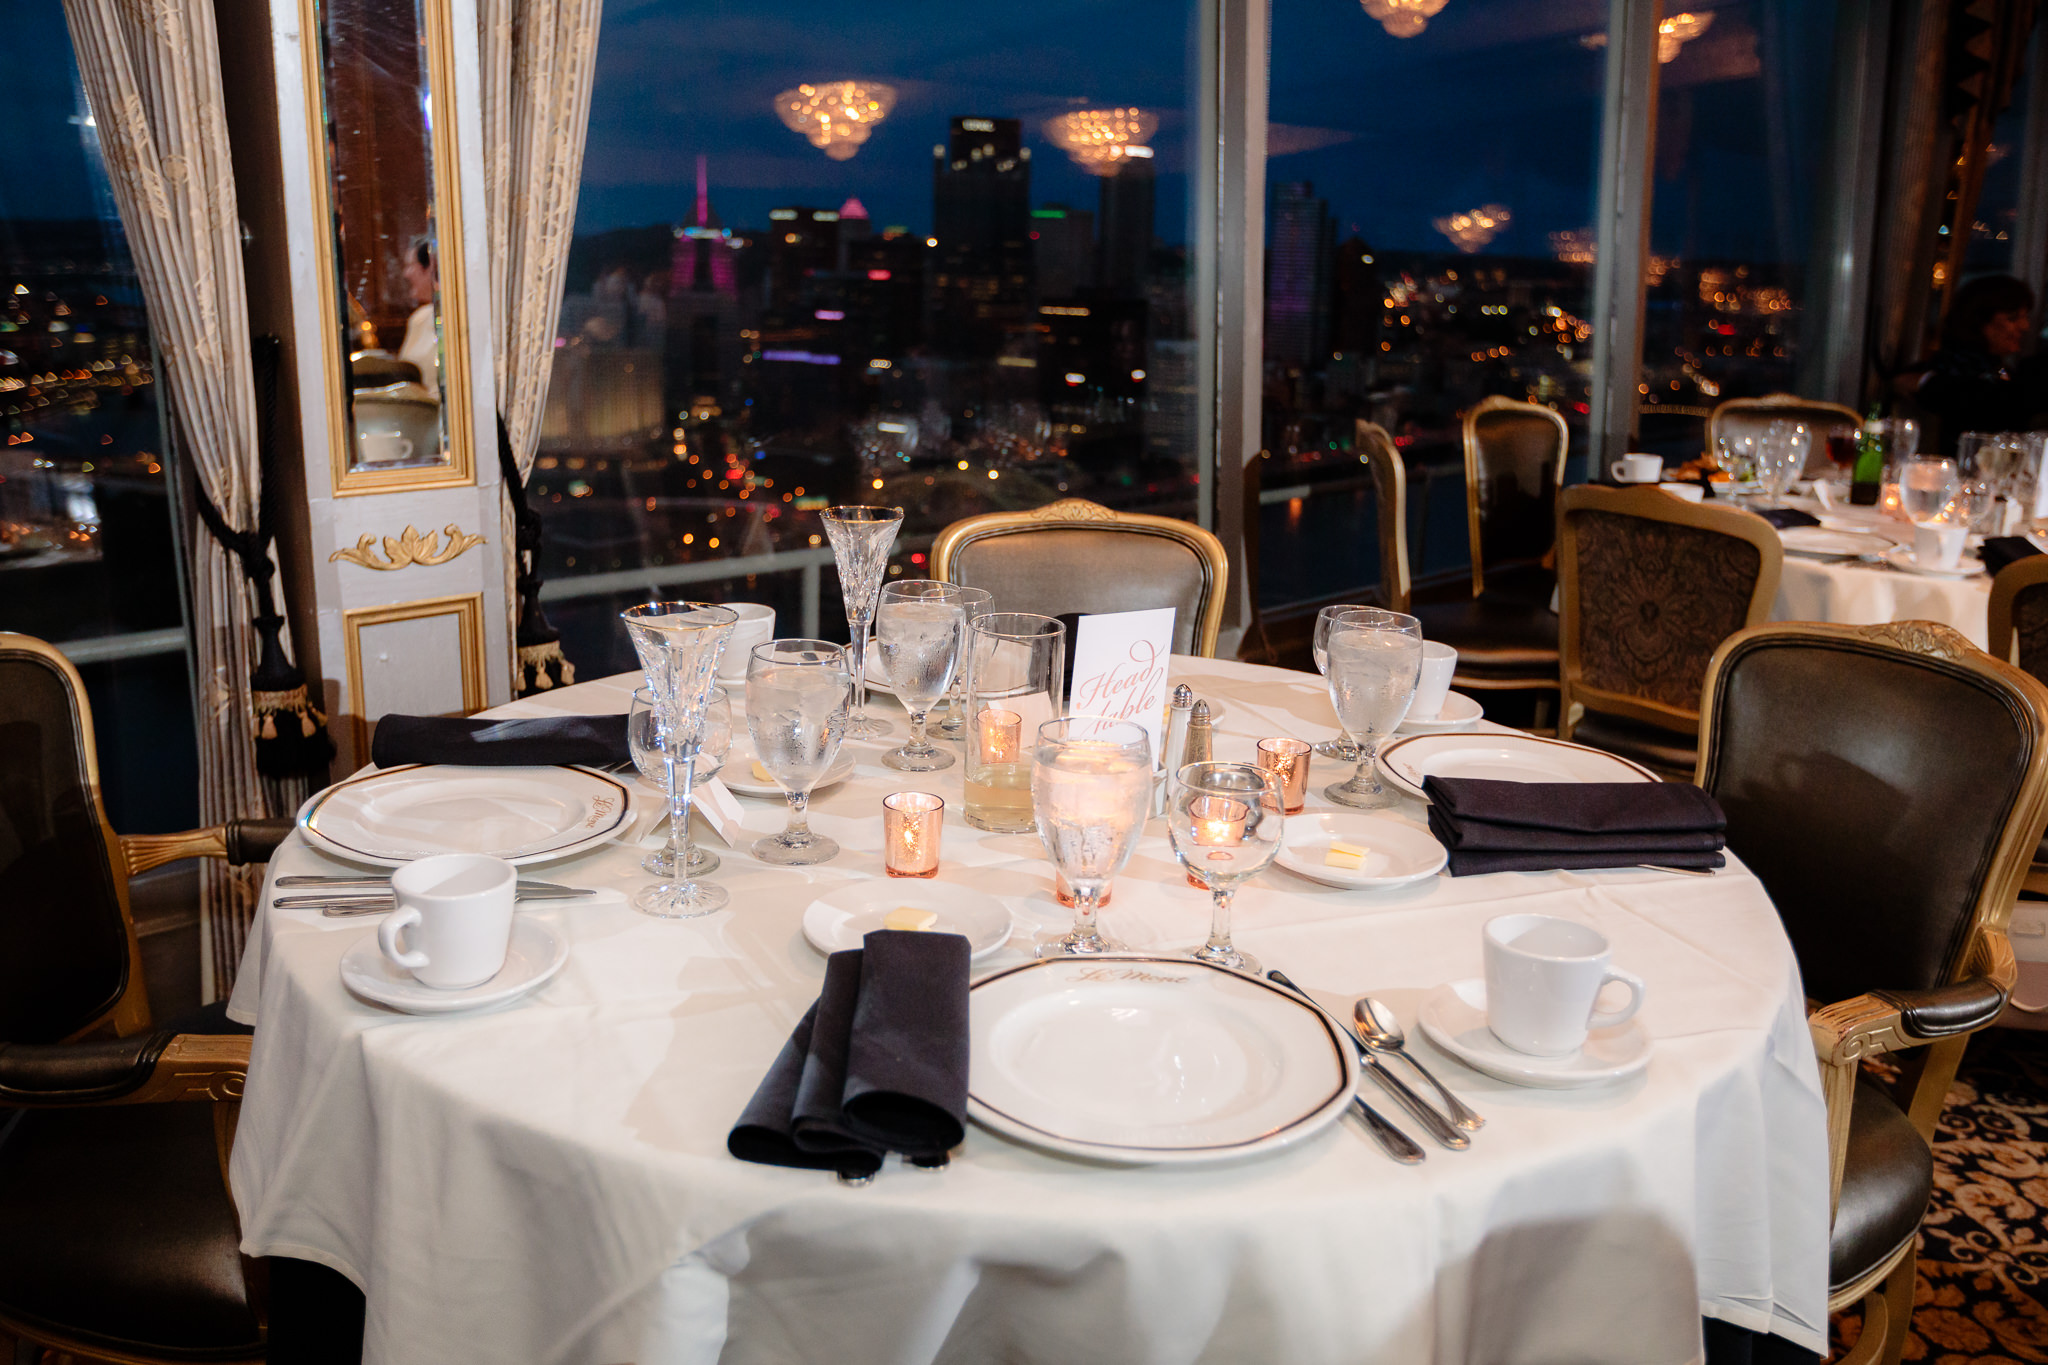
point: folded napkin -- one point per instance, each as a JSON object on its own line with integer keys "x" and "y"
{"x": 1999, "y": 551}
{"x": 1785, "y": 518}
{"x": 1543, "y": 826}
{"x": 598, "y": 741}
{"x": 877, "y": 1065}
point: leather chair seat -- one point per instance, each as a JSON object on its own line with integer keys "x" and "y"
{"x": 1885, "y": 1188}
{"x": 1496, "y": 636}
{"x": 1666, "y": 752}
{"x": 118, "y": 1232}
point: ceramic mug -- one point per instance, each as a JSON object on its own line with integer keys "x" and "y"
{"x": 383, "y": 447}
{"x": 458, "y": 907}
{"x": 756, "y": 626}
{"x": 1543, "y": 981}
{"x": 1637, "y": 469}
{"x": 1433, "y": 686}
{"x": 1937, "y": 545}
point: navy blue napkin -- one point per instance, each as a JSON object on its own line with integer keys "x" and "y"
{"x": 595, "y": 741}
{"x": 1490, "y": 826}
{"x": 1786, "y": 518}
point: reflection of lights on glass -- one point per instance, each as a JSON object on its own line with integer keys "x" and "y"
{"x": 1101, "y": 140}
{"x": 1473, "y": 229}
{"x": 1403, "y": 18}
{"x": 1680, "y": 29}
{"x": 836, "y": 116}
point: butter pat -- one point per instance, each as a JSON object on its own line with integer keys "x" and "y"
{"x": 910, "y": 917}
{"x": 761, "y": 774}
{"x": 1345, "y": 855}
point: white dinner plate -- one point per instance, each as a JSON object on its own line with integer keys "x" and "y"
{"x": 1901, "y": 557}
{"x": 840, "y": 918}
{"x": 1396, "y": 853}
{"x": 1825, "y": 543}
{"x": 523, "y": 815}
{"x": 1503, "y": 758}
{"x": 1454, "y": 1018}
{"x": 537, "y": 952}
{"x": 1459, "y": 712}
{"x": 1148, "y": 1060}
{"x": 738, "y": 772}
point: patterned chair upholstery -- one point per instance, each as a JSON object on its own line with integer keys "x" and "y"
{"x": 1649, "y": 587}
{"x": 1753, "y": 417}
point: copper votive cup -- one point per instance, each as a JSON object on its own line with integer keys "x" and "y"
{"x": 1064, "y": 894}
{"x": 998, "y": 735}
{"x": 1287, "y": 760}
{"x": 911, "y": 825}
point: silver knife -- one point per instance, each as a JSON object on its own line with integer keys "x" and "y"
{"x": 378, "y": 904}
{"x": 1424, "y": 1113}
{"x": 384, "y": 883}
{"x": 1392, "y": 1140}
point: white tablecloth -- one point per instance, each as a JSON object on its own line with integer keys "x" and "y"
{"x": 1853, "y": 594}
{"x": 550, "y": 1182}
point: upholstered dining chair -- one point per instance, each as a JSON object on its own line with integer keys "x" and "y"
{"x": 1505, "y": 632}
{"x": 1649, "y": 585}
{"x": 1739, "y": 417}
{"x": 118, "y": 1241}
{"x": 1077, "y": 557}
{"x": 1390, "y": 503}
{"x": 1893, "y": 852}
{"x": 2019, "y": 634}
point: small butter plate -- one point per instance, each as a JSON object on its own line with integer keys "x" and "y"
{"x": 536, "y": 953}
{"x": 840, "y": 918}
{"x": 1396, "y": 853}
{"x": 1454, "y": 1018}
{"x": 1459, "y": 712}
{"x": 739, "y": 776}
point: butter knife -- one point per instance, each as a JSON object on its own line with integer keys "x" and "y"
{"x": 377, "y": 905}
{"x": 384, "y": 883}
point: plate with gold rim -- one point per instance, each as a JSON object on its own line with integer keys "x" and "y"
{"x": 524, "y": 815}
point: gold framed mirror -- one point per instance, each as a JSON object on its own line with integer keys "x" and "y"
{"x": 387, "y": 207}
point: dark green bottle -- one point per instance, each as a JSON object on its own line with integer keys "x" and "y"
{"x": 1866, "y": 481}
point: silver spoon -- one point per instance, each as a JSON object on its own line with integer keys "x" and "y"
{"x": 1379, "y": 1028}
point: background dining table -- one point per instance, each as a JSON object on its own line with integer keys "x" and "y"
{"x": 550, "y": 1182}
{"x": 1851, "y": 592}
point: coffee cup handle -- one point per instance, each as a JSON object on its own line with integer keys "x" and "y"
{"x": 1606, "y": 1018}
{"x": 1614, "y": 471}
{"x": 397, "y": 922}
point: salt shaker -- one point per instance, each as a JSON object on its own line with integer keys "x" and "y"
{"x": 1178, "y": 713}
{"x": 1201, "y": 741}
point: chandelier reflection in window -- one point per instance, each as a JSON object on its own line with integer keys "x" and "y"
{"x": 1404, "y": 18}
{"x": 1474, "y": 228}
{"x": 1680, "y": 29}
{"x": 836, "y": 116}
{"x": 1100, "y": 141}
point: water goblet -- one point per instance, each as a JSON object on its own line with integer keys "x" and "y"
{"x": 679, "y": 644}
{"x": 919, "y": 628}
{"x": 1319, "y": 646}
{"x": 1091, "y": 787}
{"x": 861, "y": 537}
{"x": 1927, "y": 485}
{"x": 974, "y": 602}
{"x": 643, "y": 737}
{"x": 1780, "y": 459}
{"x": 1375, "y": 661}
{"x": 797, "y": 695}
{"x": 1225, "y": 821}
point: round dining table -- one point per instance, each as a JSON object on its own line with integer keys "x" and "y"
{"x": 549, "y": 1181}
{"x": 1856, "y": 592}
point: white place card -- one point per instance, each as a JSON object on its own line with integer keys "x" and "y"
{"x": 1120, "y": 666}
{"x": 721, "y": 810}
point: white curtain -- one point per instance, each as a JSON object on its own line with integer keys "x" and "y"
{"x": 152, "y": 77}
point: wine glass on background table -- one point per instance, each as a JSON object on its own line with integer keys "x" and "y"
{"x": 1091, "y": 787}
{"x": 1781, "y": 458}
{"x": 919, "y": 629}
{"x": 861, "y": 537}
{"x": 973, "y": 602}
{"x": 1927, "y": 485}
{"x": 1375, "y": 662}
{"x": 1319, "y": 647}
{"x": 798, "y": 692}
{"x": 1225, "y": 820}
{"x": 644, "y": 738}
{"x": 679, "y": 644}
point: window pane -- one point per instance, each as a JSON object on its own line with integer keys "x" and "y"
{"x": 1428, "y": 244}
{"x": 1741, "y": 117}
{"x": 974, "y": 296}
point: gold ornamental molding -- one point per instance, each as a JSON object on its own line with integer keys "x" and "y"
{"x": 408, "y": 547}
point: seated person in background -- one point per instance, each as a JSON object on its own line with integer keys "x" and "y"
{"x": 422, "y": 345}
{"x": 1975, "y": 383}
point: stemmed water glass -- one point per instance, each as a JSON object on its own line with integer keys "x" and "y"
{"x": 679, "y": 644}
{"x": 973, "y": 602}
{"x": 1319, "y": 646}
{"x": 1225, "y": 820}
{"x": 861, "y": 537}
{"x": 1927, "y": 485}
{"x": 1091, "y": 786}
{"x": 1375, "y": 661}
{"x": 797, "y": 694}
{"x": 919, "y": 627}
{"x": 1781, "y": 458}
{"x": 644, "y": 738}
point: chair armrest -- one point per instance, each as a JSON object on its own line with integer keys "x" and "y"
{"x": 238, "y": 842}
{"x": 148, "y": 1068}
{"x": 1962, "y": 1007}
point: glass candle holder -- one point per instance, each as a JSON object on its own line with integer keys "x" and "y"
{"x": 1287, "y": 760}
{"x": 1219, "y": 823}
{"x": 1064, "y": 894}
{"x": 911, "y": 825}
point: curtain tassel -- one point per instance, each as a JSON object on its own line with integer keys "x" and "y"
{"x": 291, "y": 733}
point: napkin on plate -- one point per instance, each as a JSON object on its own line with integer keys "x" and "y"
{"x": 1543, "y": 826}
{"x": 597, "y": 741}
{"x": 1999, "y": 551}
{"x": 1785, "y": 518}
{"x": 878, "y": 1064}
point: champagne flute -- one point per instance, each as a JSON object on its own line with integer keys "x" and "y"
{"x": 1375, "y": 662}
{"x": 861, "y": 537}
{"x": 1225, "y": 820}
{"x": 974, "y": 602}
{"x": 919, "y": 625}
{"x": 1091, "y": 786}
{"x": 797, "y": 694}
{"x": 1319, "y": 646}
{"x": 679, "y": 644}
{"x": 644, "y": 738}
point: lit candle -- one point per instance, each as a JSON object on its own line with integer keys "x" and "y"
{"x": 911, "y": 825}
{"x": 1218, "y": 821}
{"x": 1000, "y": 731}
{"x": 1287, "y": 760}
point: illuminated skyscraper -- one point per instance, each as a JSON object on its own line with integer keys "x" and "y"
{"x": 1301, "y": 240}
{"x": 982, "y": 278}
{"x": 701, "y": 357}
{"x": 1063, "y": 244}
{"x": 1126, "y": 249}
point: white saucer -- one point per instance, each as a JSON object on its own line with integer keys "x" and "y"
{"x": 840, "y": 918}
{"x": 1397, "y": 853}
{"x": 1459, "y": 712}
{"x": 1901, "y": 557}
{"x": 738, "y": 772}
{"x": 536, "y": 953}
{"x": 1454, "y": 1017}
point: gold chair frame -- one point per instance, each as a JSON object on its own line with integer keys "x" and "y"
{"x": 1390, "y": 498}
{"x": 1499, "y": 403}
{"x": 1771, "y": 402}
{"x": 1082, "y": 515}
{"x": 2006, "y": 587}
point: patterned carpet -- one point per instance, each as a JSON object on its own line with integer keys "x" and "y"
{"x": 1983, "y": 1294}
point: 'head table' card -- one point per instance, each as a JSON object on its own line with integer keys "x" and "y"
{"x": 1120, "y": 665}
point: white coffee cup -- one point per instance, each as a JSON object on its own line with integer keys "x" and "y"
{"x": 383, "y": 447}
{"x": 1637, "y": 469}
{"x": 458, "y": 907}
{"x": 1684, "y": 492}
{"x": 756, "y": 626}
{"x": 1543, "y": 982}
{"x": 1938, "y": 545}
{"x": 1439, "y": 662}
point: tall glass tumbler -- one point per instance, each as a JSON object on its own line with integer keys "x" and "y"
{"x": 1016, "y": 673}
{"x": 797, "y": 697}
{"x": 920, "y": 629}
{"x": 1091, "y": 788}
{"x": 679, "y": 644}
{"x": 1375, "y": 662}
{"x": 861, "y": 537}
{"x": 974, "y": 602}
